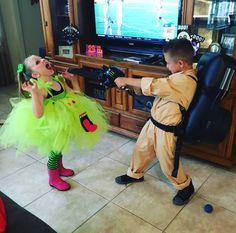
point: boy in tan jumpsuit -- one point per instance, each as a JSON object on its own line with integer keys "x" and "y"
{"x": 171, "y": 93}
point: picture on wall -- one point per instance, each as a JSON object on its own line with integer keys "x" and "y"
{"x": 66, "y": 51}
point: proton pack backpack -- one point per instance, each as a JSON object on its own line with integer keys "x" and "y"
{"x": 206, "y": 121}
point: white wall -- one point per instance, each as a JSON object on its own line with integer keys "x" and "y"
{"x": 31, "y": 26}
{"x": 22, "y": 23}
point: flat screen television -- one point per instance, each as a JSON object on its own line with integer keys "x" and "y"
{"x": 136, "y": 25}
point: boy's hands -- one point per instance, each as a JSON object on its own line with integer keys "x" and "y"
{"x": 68, "y": 75}
{"x": 120, "y": 82}
{"x": 73, "y": 79}
{"x": 123, "y": 82}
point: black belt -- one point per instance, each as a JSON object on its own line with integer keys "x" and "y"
{"x": 166, "y": 128}
{"x": 172, "y": 129}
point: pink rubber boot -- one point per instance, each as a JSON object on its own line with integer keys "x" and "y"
{"x": 56, "y": 181}
{"x": 64, "y": 171}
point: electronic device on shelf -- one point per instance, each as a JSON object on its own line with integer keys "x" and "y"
{"x": 134, "y": 59}
{"x": 155, "y": 59}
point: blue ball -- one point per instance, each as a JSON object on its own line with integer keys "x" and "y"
{"x": 208, "y": 208}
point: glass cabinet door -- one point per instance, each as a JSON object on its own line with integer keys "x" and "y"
{"x": 215, "y": 20}
{"x": 61, "y": 17}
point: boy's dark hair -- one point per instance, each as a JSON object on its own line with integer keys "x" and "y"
{"x": 180, "y": 49}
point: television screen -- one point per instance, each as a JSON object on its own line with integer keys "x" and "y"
{"x": 144, "y": 20}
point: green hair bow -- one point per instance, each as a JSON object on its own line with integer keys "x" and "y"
{"x": 20, "y": 68}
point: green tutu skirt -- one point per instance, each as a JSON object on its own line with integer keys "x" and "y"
{"x": 71, "y": 119}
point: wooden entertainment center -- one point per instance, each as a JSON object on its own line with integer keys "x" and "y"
{"x": 126, "y": 116}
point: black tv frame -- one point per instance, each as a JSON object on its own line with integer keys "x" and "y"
{"x": 130, "y": 45}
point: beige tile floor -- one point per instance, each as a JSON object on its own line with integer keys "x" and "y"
{"x": 96, "y": 204}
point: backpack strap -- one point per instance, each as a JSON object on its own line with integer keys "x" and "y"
{"x": 178, "y": 131}
{"x": 193, "y": 77}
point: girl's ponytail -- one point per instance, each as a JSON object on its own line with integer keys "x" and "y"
{"x": 22, "y": 77}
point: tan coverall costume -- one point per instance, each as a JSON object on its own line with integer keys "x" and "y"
{"x": 178, "y": 88}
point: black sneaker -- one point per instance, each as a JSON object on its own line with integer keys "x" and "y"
{"x": 182, "y": 196}
{"x": 127, "y": 179}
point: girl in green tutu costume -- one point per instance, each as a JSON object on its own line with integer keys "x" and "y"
{"x": 51, "y": 117}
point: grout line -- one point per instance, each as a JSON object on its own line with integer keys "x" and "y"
{"x": 88, "y": 189}
{"x": 92, "y": 164}
{"x": 10, "y": 174}
{"x": 109, "y": 201}
{"x": 193, "y": 196}
{"x": 205, "y": 197}
{"x": 214, "y": 203}
{"x": 98, "y": 160}
{"x": 137, "y": 216}
{"x": 118, "y": 161}
{"x": 106, "y": 154}
{"x": 177, "y": 214}
{"x": 50, "y": 190}
{"x": 90, "y": 217}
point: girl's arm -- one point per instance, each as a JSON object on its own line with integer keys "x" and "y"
{"x": 37, "y": 98}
